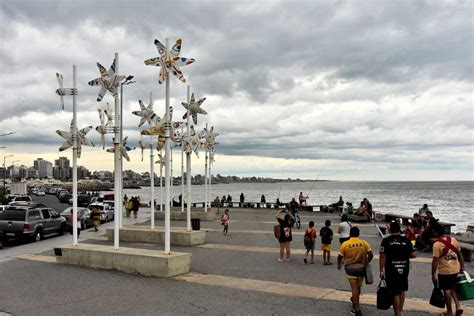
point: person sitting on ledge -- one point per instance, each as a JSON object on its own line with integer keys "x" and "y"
{"x": 349, "y": 208}
{"x": 302, "y": 199}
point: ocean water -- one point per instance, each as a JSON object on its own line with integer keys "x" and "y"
{"x": 449, "y": 201}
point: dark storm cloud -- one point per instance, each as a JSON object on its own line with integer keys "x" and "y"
{"x": 288, "y": 79}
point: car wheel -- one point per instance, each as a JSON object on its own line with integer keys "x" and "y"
{"x": 38, "y": 235}
{"x": 62, "y": 229}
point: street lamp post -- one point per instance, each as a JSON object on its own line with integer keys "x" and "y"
{"x": 127, "y": 81}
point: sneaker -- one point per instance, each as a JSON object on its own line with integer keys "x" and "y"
{"x": 280, "y": 260}
{"x": 305, "y": 261}
{"x": 288, "y": 259}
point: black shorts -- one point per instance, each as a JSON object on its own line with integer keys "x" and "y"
{"x": 342, "y": 240}
{"x": 447, "y": 281}
{"x": 397, "y": 283}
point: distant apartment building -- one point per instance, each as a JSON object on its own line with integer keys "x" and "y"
{"x": 32, "y": 173}
{"x": 83, "y": 173}
{"x": 62, "y": 169}
{"x": 44, "y": 168}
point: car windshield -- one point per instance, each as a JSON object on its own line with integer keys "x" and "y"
{"x": 22, "y": 198}
{"x": 66, "y": 211}
{"x": 13, "y": 215}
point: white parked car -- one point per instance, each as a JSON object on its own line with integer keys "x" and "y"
{"x": 40, "y": 193}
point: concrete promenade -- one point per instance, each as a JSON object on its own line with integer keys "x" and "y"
{"x": 234, "y": 274}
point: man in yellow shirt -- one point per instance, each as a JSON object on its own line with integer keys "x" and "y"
{"x": 448, "y": 261}
{"x": 356, "y": 253}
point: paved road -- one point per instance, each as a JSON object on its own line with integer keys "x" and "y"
{"x": 39, "y": 288}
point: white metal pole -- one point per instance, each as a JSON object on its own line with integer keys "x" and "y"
{"x": 188, "y": 167}
{"x": 117, "y": 153}
{"x": 74, "y": 159}
{"x": 167, "y": 161}
{"x": 171, "y": 177}
{"x": 182, "y": 171}
{"x": 152, "y": 175}
{"x": 161, "y": 186}
{"x": 210, "y": 180}
{"x": 119, "y": 206}
{"x": 205, "y": 174}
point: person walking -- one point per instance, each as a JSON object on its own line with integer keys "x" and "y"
{"x": 355, "y": 253}
{"x": 285, "y": 234}
{"x": 448, "y": 263}
{"x": 344, "y": 229}
{"x": 136, "y": 206}
{"x": 225, "y": 221}
{"x": 309, "y": 241}
{"x": 394, "y": 264}
{"x": 326, "y": 240}
{"x": 95, "y": 212}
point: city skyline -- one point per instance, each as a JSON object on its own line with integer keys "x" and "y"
{"x": 311, "y": 89}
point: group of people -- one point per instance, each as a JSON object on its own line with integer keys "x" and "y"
{"x": 365, "y": 208}
{"x": 132, "y": 205}
{"x": 395, "y": 253}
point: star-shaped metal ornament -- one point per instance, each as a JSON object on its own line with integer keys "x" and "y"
{"x": 124, "y": 150}
{"x": 169, "y": 61}
{"x": 81, "y": 138}
{"x": 108, "y": 81}
{"x": 194, "y": 108}
{"x": 146, "y": 114}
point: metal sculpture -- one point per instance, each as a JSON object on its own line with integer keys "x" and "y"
{"x": 81, "y": 138}
{"x": 169, "y": 61}
{"x": 61, "y": 91}
{"x": 108, "y": 81}
{"x": 194, "y": 108}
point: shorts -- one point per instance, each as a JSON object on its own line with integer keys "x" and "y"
{"x": 309, "y": 246}
{"x": 326, "y": 247}
{"x": 356, "y": 274}
{"x": 447, "y": 281}
{"x": 342, "y": 240}
{"x": 397, "y": 283}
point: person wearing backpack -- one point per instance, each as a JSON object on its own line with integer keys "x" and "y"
{"x": 309, "y": 241}
{"x": 285, "y": 236}
{"x": 448, "y": 262}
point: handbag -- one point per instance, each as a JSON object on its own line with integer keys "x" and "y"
{"x": 465, "y": 286}
{"x": 276, "y": 231}
{"x": 369, "y": 276}
{"x": 437, "y": 296}
{"x": 384, "y": 295}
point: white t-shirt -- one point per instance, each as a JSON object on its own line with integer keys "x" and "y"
{"x": 345, "y": 229}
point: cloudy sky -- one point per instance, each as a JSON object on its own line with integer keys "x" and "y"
{"x": 348, "y": 90}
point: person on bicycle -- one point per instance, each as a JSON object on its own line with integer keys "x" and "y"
{"x": 293, "y": 206}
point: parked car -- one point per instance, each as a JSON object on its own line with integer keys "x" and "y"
{"x": 83, "y": 215}
{"x": 82, "y": 200}
{"x": 64, "y": 198}
{"x": 40, "y": 193}
{"x": 106, "y": 213}
{"x": 20, "y": 198}
{"x": 31, "y": 222}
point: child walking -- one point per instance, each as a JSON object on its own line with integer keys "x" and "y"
{"x": 225, "y": 221}
{"x": 309, "y": 241}
{"x": 326, "y": 239}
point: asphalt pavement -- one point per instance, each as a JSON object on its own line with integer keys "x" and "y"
{"x": 245, "y": 276}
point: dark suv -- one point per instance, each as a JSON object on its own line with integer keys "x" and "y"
{"x": 31, "y": 222}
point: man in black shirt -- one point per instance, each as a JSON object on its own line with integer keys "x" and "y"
{"x": 395, "y": 254}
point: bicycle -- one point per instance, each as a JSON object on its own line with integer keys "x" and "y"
{"x": 296, "y": 218}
